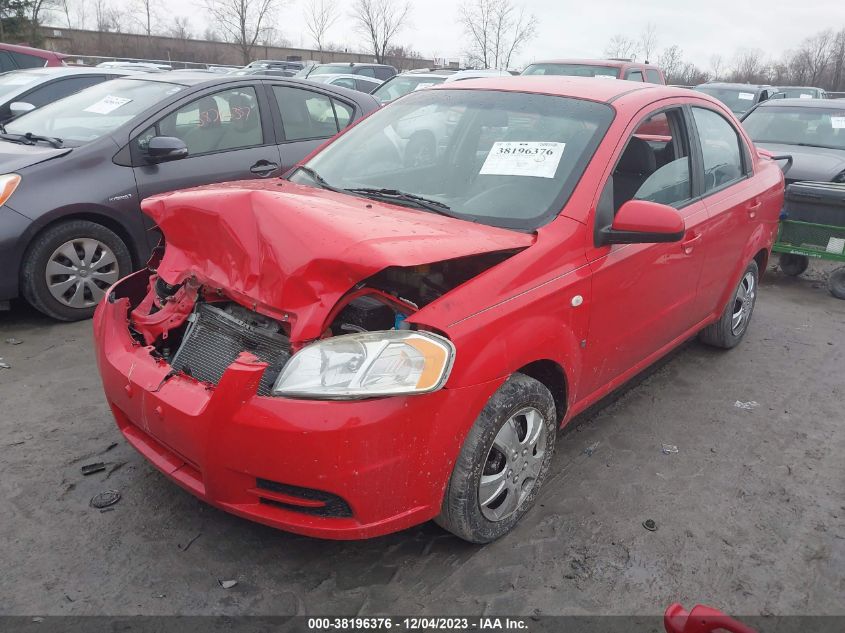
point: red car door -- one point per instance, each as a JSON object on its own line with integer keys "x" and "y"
{"x": 733, "y": 200}
{"x": 644, "y": 295}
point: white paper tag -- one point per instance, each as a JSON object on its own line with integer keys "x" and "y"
{"x": 537, "y": 159}
{"x": 746, "y": 96}
{"x": 836, "y": 245}
{"x": 107, "y": 104}
{"x": 19, "y": 79}
{"x": 805, "y": 96}
{"x": 837, "y": 122}
{"x": 424, "y": 84}
{"x": 604, "y": 77}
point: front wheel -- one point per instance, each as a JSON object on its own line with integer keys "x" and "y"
{"x": 728, "y": 331}
{"x": 502, "y": 463}
{"x": 793, "y": 265}
{"x": 68, "y": 268}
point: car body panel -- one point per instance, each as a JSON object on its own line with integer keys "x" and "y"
{"x": 625, "y": 68}
{"x": 597, "y": 315}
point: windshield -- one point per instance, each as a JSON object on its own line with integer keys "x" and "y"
{"x": 798, "y": 93}
{"x": 93, "y": 112}
{"x": 399, "y": 86}
{"x": 739, "y": 100}
{"x": 506, "y": 159}
{"x": 573, "y": 70}
{"x": 795, "y": 125}
{"x": 331, "y": 69}
{"x": 16, "y": 82}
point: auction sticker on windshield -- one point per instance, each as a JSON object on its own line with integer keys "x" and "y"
{"x": 746, "y": 96}
{"x": 837, "y": 122}
{"x": 538, "y": 159}
{"x": 107, "y": 104}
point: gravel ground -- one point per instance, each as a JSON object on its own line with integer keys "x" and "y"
{"x": 749, "y": 511}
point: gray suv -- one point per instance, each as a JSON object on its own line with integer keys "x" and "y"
{"x": 72, "y": 173}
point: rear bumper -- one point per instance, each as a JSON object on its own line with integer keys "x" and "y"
{"x": 388, "y": 459}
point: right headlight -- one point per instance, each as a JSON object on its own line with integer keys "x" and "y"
{"x": 8, "y": 184}
{"x": 366, "y": 365}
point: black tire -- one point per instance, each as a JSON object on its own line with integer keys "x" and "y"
{"x": 793, "y": 265}
{"x": 33, "y": 272}
{"x": 723, "y": 333}
{"x": 421, "y": 150}
{"x": 836, "y": 283}
{"x": 461, "y": 512}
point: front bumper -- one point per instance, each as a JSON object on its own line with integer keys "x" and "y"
{"x": 388, "y": 459}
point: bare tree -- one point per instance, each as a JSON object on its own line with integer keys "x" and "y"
{"x": 37, "y": 8}
{"x": 144, "y": 14}
{"x": 717, "y": 66}
{"x": 838, "y": 61}
{"x": 320, "y": 16}
{"x": 749, "y": 66}
{"x": 109, "y": 18}
{"x": 671, "y": 60}
{"x": 621, "y": 46}
{"x": 242, "y": 22}
{"x": 379, "y": 21}
{"x": 648, "y": 41}
{"x": 815, "y": 54}
{"x": 496, "y": 30}
{"x": 180, "y": 29}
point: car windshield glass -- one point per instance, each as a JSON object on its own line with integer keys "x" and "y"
{"x": 739, "y": 100}
{"x": 573, "y": 70}
{"x": 507, "y": 159}
{"x": 399, "y": 86}
{"x": 15, "y": 82}
{"x": 93, "y": 112}
{"x": 331, "y": 69}
{"x": 796, "y": 125}
{"x": 798, "y": 93}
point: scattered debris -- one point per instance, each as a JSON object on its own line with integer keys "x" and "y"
{"x": 13, "y": 341}
{"x": 106, "y": 510}
{"x": 227, "y": 584}
{"x": 37, "y": 618}
{"x": 591, "y": 449}
{"x": 105, "y": 499}
{"x": 650, "y": 525}
{"x": 17, "y": 443}
{"x": 746, "y": 405}
{"x": 4, "y": 365}
{"x": 69, "y": 599}
{"x": 189, "y": 543}
{"x": 110, "y": 446}
{"x": 90, "y": 469}
{"x": 669, "y": 449}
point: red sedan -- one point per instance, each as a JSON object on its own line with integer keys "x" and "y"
{"x": 396, "y": 331}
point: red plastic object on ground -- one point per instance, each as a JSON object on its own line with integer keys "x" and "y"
{"x": 700, "y": 619}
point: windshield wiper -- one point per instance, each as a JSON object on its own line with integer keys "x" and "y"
{"x": 410, "y": 198}
{"x": 30, "y": 139}
{"x": 318, "y": 178}
{"x": 814, "y": 145}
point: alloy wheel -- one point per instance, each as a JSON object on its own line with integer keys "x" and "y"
{"x": 743, "y": 303}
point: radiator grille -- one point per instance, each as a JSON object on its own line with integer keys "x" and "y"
{"x": 215, "y": 337}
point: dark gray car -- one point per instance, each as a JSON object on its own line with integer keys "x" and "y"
{"x": 812, "y": 131}
{"x": 72, "y": 173}
{"x": 740, "y": 98}
{"x": 36, "y": 87}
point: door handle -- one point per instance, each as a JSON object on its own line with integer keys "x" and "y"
{"x": 689, "y": 244}
{"x": 752, "y": 210}
{"x": 264, "y": 168}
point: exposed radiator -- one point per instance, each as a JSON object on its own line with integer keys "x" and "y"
{"x": 215, "y": 337}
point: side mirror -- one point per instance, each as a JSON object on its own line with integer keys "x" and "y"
{"x": 161, "y": 149}
{"x": 643, "y": 222}
{"x": 18, "y": 108}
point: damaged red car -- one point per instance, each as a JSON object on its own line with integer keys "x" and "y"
{"x": 395, "y": 332}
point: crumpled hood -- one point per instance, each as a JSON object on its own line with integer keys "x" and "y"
{"x": 287, "y": 249}
{"x": 17, "y": 156}
{"x": 809, "y": 163}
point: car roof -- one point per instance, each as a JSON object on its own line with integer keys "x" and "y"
{"x": 352, "y": 64}
{"x": 330, "y": 76}
{"x": 58, "y": 71}
{"x": 614, "y": 63}
{"x": 564, "y": 86}
{"x": 804, "y": 103}
{"x": 727, "y": 84}
{"x": 799, "y": 88}
{"x": 37, "y": 52}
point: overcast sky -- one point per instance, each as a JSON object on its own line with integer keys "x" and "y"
{"x": 583, "y": 28}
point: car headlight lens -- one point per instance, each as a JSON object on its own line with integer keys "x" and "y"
{"x": 366, "y": 365}
{"x": 8, "y": 184}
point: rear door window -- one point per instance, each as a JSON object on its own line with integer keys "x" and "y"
{"x": 310, "y": 115}
{"x": 634, "y": 75}
{"x": 6, "y": 63}
{"x": 720, "y": 149}
{"x": 22, "y": 60}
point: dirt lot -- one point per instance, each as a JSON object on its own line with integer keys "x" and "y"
{"x": 749, "y": 511}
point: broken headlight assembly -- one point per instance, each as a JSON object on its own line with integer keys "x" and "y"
{"x": 368, "y": 365}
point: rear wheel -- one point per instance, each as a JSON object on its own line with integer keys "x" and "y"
{"x": 728, "y": 331}
{"x": 70, "y": 266}
{"x": 836, "y": 283}
{"x": 793, "y": 265}
{"x": 502, "y": 463}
